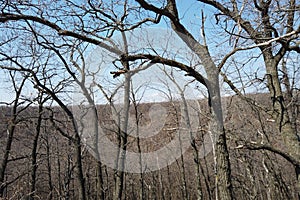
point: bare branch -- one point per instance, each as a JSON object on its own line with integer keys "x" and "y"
{"x": 157, "y": 59}
{"x": 5, "y": 17}
{"x": 290, "y": 35}
{"x": 254, "y": 146}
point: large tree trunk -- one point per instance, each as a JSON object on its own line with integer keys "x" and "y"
{"x": 280, "y": 112}
{"x": 223, "y": 171}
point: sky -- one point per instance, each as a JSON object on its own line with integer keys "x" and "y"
{"x": 151, "y": 84}
{"x": 158, "y": 37}
{"x": 6, "y": 92}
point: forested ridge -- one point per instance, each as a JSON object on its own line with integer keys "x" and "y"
{"x": 255, "y": 172}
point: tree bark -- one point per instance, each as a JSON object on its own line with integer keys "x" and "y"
{"x": 122, "y": 137}
{"x": 82, "y": 194}
{"x": 280, "y": 112}
{"x": 34, "y": 164}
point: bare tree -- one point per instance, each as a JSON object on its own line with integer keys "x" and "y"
{"x": 18, "y": 87}
{"x": 274, "y": 37}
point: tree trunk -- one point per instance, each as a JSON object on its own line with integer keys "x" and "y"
{"x": 100, "y": 183}
{"x": 34, "y": 152}
{"x": 10, "y": 131}
{"x": 195, "y": 152}
{"x": 280, "y": 112}
{"x": 49, "y": 169}
{"x": 223, "y": 171}
{"x": 80, "y": 176}
{"x": 122, "y": 137}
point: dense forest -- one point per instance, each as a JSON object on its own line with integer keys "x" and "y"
{"x": 160, "y": 99}
{"x": 256, "y": 173}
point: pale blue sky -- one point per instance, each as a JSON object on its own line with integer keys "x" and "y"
{"x": 190, "y": 13}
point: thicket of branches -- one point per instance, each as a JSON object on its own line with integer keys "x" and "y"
{"x": 252, "y": 46}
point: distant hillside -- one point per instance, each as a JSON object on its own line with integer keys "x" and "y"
{"x": 256, "y": 174}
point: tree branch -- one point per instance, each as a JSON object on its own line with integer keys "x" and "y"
{"x": 157, "y": 59}
{"x": 153, "y": 8}
{"x": 5, "y": 17}
{"x": 235, "y": 16}
{"x": 254, "y": 146}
